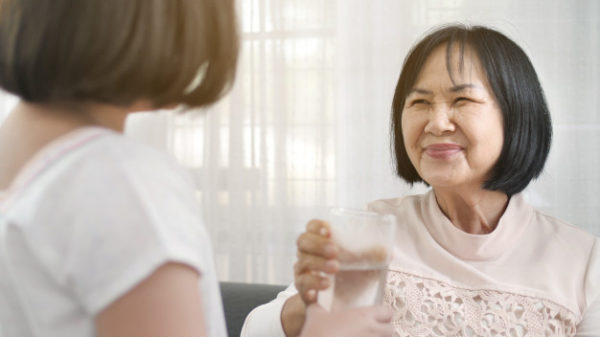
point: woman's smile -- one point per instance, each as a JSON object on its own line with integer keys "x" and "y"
{"x": 442, "y": 150}
{"x": 452, "y": 125}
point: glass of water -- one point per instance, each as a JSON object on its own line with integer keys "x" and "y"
{"x": 365, "y": 240}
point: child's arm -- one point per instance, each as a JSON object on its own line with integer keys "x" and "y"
{"x": 168, "y": 303}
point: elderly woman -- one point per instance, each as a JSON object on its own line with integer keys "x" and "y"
{"x": 471, "y": 257}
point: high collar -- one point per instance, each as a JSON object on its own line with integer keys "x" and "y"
{"x": 476, "y": 247}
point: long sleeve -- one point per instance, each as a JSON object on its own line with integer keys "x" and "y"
{"x": 265, "y": 320}
{"x": 590, "y": 324}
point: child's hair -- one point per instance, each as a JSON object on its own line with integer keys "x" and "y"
{"x": 118, "y": 51}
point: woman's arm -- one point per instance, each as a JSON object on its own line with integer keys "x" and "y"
{"x": 293, "y": 316}
{"x": 265, "y": 320}
{"x": 590, "y": 324}
{"x": 168, "y": 303}
{"x": 288, "y": 316}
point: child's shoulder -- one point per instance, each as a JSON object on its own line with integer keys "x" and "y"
{"x": 118, "y": 159}
{"x": 97, "y": 163}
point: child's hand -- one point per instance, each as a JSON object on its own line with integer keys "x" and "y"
{"x": 356, "y": 322}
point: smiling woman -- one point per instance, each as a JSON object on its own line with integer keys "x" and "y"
{"x": 506, "y": 81}
{"x": 452, "y": 126}
{"x": 470, "y": 119}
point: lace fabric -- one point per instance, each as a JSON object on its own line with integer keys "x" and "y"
{"x": 427, "y": 307}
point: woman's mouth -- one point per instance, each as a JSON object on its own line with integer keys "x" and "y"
{"x": 442, "y": 150}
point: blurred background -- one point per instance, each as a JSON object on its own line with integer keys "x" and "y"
{"x": 306, "y": 126}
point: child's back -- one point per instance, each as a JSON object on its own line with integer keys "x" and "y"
{"x": 88, "y": 218}
{"x": 100, "y": 236}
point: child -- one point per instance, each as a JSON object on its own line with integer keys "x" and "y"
{"x": 99, "y": 235}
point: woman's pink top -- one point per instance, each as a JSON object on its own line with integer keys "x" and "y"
{"x": 534, "y": 275}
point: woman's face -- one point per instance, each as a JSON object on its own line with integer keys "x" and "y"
{"x": 453, "y": 131}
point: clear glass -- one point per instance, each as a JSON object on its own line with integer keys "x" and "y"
{"x": 365, "y": 240}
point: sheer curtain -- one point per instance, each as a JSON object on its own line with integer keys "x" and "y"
{"x": 306, "y": 125}
{"x": 264, "y": 158}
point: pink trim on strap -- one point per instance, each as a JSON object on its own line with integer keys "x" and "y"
{"x": 48, "y": 155}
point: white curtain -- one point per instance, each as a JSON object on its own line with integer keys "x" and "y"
{"x": 306, "y": 126}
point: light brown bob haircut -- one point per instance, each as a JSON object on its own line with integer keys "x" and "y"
{"x": 118, "y": 51}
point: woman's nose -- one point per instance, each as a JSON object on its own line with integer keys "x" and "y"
{"x": 440, "y": 120}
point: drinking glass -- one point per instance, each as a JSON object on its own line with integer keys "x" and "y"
{"x": 365, "y": 240}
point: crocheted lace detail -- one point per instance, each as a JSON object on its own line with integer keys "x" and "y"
{"x": 426, "y": 307}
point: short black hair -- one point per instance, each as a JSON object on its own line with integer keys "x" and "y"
{"x": 118, "y": 51}
{"x": 514, "y": 82}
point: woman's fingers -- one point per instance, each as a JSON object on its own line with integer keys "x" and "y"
{"x": 316, "y": 257}
{"x": 309, "y": 277}
{"x": 314, "y": 242}
{"x": 311, "y": 263}
{"x": 319, "y": 227}
{"x": 308, "y": 284}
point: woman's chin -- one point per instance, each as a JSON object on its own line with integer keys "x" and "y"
{"x": 442, "y": 181}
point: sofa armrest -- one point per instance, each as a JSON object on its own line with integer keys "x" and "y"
{"x": 240, "y": 298}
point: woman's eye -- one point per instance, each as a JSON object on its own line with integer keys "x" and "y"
{"x": 418, "y": 102}
{"x": 462, "y": 100}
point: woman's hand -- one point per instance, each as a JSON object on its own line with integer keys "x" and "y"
{"x": 357, "y": 322}
{"x": 317, "y": 254}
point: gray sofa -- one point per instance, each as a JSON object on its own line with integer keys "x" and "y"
{"x": 240, "y": 298}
